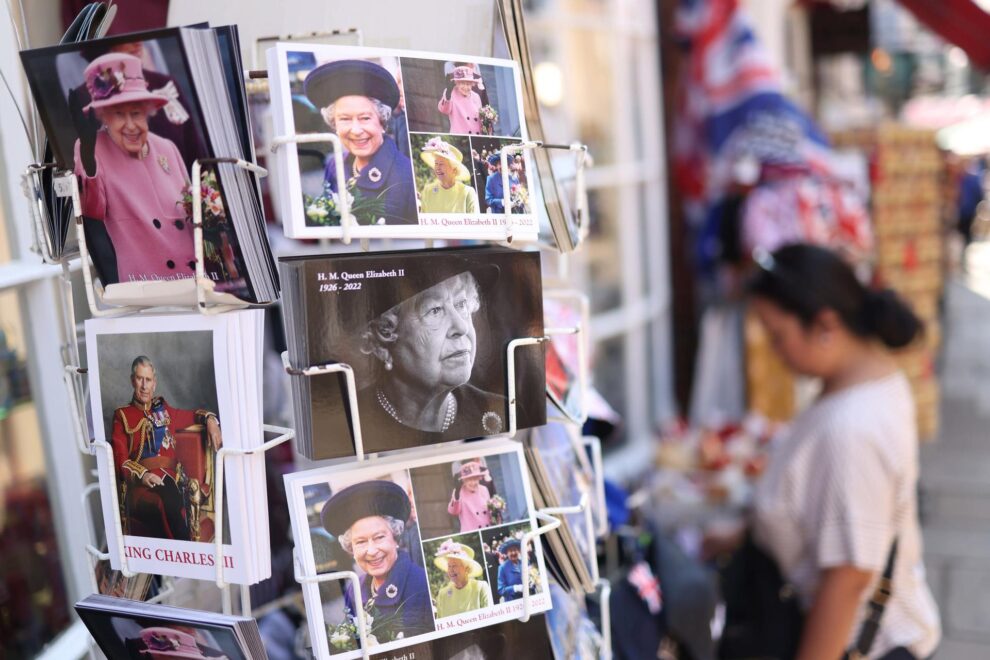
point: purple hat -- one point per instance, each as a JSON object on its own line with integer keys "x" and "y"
{"x": 363, "y": 500}
{"x": 117, "y": 78}
{"x": 161, "y": 643}
{"x": 328, "y": 82}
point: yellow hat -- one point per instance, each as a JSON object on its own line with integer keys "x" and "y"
{"x": 450, "y": 549}
{"x": 437, "y": 147}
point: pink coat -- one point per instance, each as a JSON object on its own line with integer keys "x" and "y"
{"x": 463, "y": 112}
{"x": 471, "y": 509}
{"x": 139, "y": 199}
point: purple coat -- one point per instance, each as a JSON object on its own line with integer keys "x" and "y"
{"x": 139, "y": 200}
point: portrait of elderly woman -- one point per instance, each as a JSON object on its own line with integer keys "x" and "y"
{"x": 463, "y": 591}
{"x": 149, "y": 232}
{"x": 423, "y": 346}
{"x": 369, "y": 519}
{"x": 356, "y": 99}
{"x": 450, "y": 189}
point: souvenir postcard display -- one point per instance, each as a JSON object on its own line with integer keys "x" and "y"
{"x": 422, "y": 134}
{"x": 126, "y": 629}
{"x": 128, "y": 115}
{"x": 561, "y": 476}
{"x": 436, "y": 537}
{"x": 426, "y": 333}
{"x": 167, "y": 393}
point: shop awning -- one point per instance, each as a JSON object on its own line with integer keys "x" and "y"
{"x": 960, "y": 22}
{"x": 963, "y": 23}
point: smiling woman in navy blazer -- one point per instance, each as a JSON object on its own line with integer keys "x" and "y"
{"x": 356, "y": 99}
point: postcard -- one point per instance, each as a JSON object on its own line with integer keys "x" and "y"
{"x": 422, "y": 137}
{"x": 128, "y": 115}
{"x": 161, "y": 394}
{"x": 426, "y": 333}
{"x": 504, "y": 640}
{"x": 128, "y": 629}
{"x": 436, "y": 540}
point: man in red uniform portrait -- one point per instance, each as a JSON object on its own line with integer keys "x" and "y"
{"x": 162, "y": 498}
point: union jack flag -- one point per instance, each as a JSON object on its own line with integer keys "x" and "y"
{"x": 647, "y": 586}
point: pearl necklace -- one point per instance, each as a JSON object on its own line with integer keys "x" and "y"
{"x": 448, "y": 417}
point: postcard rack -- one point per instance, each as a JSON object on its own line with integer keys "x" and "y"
{"x": 33, "y": 189}
{"x": 198, "y": 297}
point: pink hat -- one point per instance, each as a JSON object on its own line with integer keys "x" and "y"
{"x": 167, "y": 643}
{"x": 472, "y": 469}
{"x": 464, "y": 74}
{"x": 117, "y": 78}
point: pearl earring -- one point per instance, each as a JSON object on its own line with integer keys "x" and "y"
{"x": 388, "y": 363}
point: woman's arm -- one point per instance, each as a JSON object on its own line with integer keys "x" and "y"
{"x": 833, "y": 614}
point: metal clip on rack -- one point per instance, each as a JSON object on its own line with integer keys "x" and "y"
{"x": 202, "y": 282}
{"x": 510, "y": 371}
{"x": 347, "y": 219}
{"x": 594, "y": 445}
{"x": 202, "y": 287}
{"x": 580, "y": 300}
{"x": 284, "y": 434}
{"x": 301, "y": 577}
{"x": 331, "y": 368}
{"x": 355, "y": 586}
{"x": 580, "y": 193}
{"x": 549, "y": 517}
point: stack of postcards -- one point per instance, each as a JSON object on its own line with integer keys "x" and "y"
{"x": 437, "y": 536}
{"x": 426, "y": 333}
{"x": 126, "y": 629}
{"x": 167, "y": 393}
{"x": 128, "y": 116}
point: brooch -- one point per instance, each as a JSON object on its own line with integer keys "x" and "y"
{"x": 391, "y": 591}
{"x": 491, "y": 422}
{"x": 163, "y": 161}
{"x": 374, "y": 175}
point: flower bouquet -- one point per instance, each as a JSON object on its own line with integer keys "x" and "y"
{"x": 519, "y": 197}
{"x": 496, "y": 509}
{"x": 325, "y": 210}
{"x": 533, "y": 579}
{"x": 381, "y": 628}
{"x": 489, "y": 117}
{"x": 212, "y": 202}
{"x": 214, "y": 218}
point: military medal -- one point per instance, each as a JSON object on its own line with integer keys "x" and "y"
{"x": 163, "y": 161}
{"x": 391, "y": 591}
{"x": 374, "y": 175}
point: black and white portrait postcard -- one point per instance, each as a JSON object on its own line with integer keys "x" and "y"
{"x": 427, "y": 333}
{"x": 128, "y": 629}
{"x": 162, "y": 395}
{"x": 422, "y": 135}
{"x": 437, "y": 542}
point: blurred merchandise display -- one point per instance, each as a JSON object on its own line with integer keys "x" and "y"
{"x": 906, "y": 208}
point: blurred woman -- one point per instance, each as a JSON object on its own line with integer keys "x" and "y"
{"x": 837, "y": 507}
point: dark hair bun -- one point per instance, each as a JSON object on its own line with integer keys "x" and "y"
{"x": 891, "y": 320}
